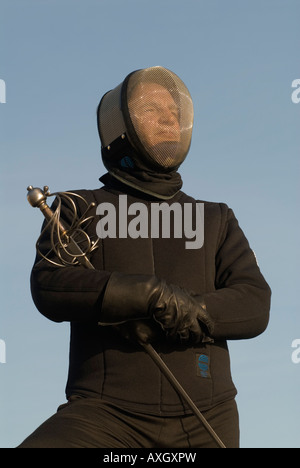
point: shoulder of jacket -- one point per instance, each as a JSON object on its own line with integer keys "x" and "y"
{"x": 91, "y": 195}
{"x": 210, "y": 206}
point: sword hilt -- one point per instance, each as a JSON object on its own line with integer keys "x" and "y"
{"x": 37, "y": 198}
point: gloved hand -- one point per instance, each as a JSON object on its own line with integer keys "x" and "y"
{"x": 133, "y": 297}
{"x": 182, "y": 316}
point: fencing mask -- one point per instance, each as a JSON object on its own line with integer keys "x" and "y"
{"x": 145, "y": 123}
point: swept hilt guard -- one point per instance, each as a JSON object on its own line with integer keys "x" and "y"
{"x": 62, "y": 237}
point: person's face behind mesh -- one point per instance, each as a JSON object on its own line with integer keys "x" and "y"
{"x": 154, "y": 114}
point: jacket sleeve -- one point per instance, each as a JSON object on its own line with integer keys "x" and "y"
{"x": 240, "y": 303}
{"x": 66, "y": 293}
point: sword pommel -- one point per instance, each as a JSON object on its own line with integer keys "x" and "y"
{"x": 37, "y": 196}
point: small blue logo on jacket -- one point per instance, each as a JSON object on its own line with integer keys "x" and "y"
{"x": 127, "y": 162}
{"x": 203, "y": 366}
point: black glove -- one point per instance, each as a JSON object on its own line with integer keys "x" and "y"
{"x": 133, "y": 297}
{"x": 182, "y": 316}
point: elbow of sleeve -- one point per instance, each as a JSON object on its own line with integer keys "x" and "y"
{"x": 259, "y": 325}
{"x": 258, "y": 322}
{"x": 43, "y": 302}
{"x": 264, "y": 317}
{"x": 240, "y": 319}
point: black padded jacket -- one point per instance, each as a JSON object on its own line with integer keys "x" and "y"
{"x": 104, "y": 365}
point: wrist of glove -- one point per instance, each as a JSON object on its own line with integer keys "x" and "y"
{"x": 136, "y": 297}
{"x": 140, "y": 331}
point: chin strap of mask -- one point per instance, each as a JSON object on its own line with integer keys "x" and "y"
{"x": 64, "y": 239}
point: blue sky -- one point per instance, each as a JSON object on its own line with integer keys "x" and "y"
{"x": 238, "y": 59}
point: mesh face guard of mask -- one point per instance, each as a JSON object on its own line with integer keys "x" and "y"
{"x": 154, "y": 110}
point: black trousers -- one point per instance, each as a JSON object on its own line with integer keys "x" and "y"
{"x": 94, "y": 423}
